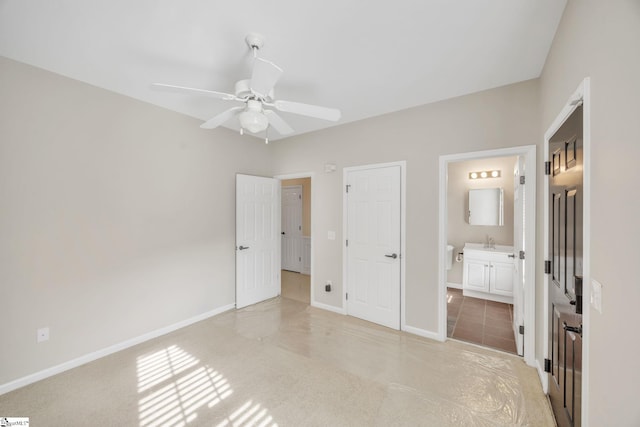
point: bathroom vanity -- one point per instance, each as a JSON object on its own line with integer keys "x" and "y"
{"x": 488, "y": 272}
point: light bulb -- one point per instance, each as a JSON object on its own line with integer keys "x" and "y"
{"x": 483, "y": 174}
{"x": 473, "y": 175}
{"x": 253, "y": 121}
{"x": 495, "y": 174}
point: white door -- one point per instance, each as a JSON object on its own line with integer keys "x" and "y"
{"x": 518, "y": 245}
{"x": 292, "y": 228}
{"x": 373, "y": 251}
{"x": 257, "y": 239}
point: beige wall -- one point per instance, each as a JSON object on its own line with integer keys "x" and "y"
{"x": 458, "y": 185}
{"x": 306, "y": 202}
{"x": 599, "y": 39}
{"x": 117, "y": 217}
{"x": 498, "y": 118}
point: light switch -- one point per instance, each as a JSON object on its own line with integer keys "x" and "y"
{"x": 596, "y": 295}
{"x": 331, "y": 235}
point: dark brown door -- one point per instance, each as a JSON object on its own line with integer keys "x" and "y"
{"x": 565, "y": 287}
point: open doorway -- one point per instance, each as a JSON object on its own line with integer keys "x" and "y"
{"x": 487, "y": 252}
{"x": 296, "y": 238}
{"x": 481, "y": 285}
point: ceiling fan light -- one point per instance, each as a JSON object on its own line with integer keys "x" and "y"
{"x": 253, "y": 121}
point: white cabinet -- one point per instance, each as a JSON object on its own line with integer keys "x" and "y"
{"x": 488, "y": 273}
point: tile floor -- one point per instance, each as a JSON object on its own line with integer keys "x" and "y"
{"x": 479, "y": 321}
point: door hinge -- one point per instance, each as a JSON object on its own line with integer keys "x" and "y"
{"x": 521, "y": 329}
{"x": 347, "y": 242}
{"x": 299, "y": 259}
{"x": 547, "y": 168}
{"x": 521, "y": 179}
{"x": 346, "y": 295}
{"x": 547, "y": 365}
{"x": 521, "y": 254}
{"x": 348, "y": 185}
{"x": 547, "y": 267}
{"x": 300, "y": 196}
{"x": 299, "y": 227}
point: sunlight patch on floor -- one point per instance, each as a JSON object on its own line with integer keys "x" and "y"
{"x": 175, "y": 385}
{"x": 249, "y": 414}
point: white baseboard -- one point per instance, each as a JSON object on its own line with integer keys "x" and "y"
{"x": 422, "y": 332}
{"x": 328, "y": 307}
{"x": 74, "y": 363}
{"x": 454, "y": 285}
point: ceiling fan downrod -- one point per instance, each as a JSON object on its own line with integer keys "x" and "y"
{"x": 255, "y": 42}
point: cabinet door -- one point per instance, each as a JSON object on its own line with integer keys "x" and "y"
{"x": 501, "y": 278}
{"x": 476, "y": 276}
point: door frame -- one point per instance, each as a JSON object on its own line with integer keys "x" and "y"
{"x": 403, "y": 216}
{"x": 529, "y": 153}
{"x": 309, "y": 175}
{"x": 581, "y": 96}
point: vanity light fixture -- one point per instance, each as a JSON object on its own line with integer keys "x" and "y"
{"x": 485, "y": 174}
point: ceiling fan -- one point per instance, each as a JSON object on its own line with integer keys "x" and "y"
{"x": 257, "y": 114}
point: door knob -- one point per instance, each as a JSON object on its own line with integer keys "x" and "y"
{"x": 511, "y": 255}
{"x": 242, "y": 248}
{"x": 394, "y": 256}
{"x": 282, "y": 233}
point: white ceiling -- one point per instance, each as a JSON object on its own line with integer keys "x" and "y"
{"x": 364, "y": 57}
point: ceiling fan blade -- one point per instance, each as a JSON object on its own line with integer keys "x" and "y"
{"x": 182, "y": 89}
{"x": 278, "y": 124}
{"x": 264, "y": 76}
{"x": 221, "y": 118}
{"x": 331, "y": 114}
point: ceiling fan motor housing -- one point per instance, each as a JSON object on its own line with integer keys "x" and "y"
{"x": 243, "y": 91}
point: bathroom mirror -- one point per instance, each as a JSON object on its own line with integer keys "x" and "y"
{"x": 486, "y": 206}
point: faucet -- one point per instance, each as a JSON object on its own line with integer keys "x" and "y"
{"x": 490, "y": 243}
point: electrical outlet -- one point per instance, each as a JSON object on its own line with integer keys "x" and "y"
{"x": 43, "y": 334}
{"x": 327, "y": 287}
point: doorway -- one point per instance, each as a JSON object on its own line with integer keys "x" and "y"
{"x": 482, "y": 290}
{"x": 566, "y": 247}
{"x": 489, "y": 277}
{"x": 296, "y": 237}
{"x": 292, "y": 208}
